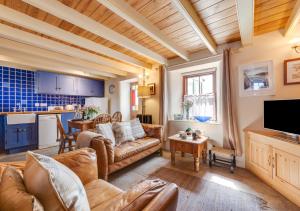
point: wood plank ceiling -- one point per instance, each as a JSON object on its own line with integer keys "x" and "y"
{"x": 219, "y": 16}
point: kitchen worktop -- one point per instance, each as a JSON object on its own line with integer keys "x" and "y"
{"x": 37, "y": 112}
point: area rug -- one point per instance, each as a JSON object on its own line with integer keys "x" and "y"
{"x": 196, "y": 193}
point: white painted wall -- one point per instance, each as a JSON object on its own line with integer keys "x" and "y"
{"x": 271, "y": 46}
{"x": 175, "y": 89}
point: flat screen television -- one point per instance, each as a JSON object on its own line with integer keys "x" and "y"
{"x": 282, "y": 115}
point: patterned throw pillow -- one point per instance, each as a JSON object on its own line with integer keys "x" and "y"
{"x": 122, "y": 132}
{"x": 56, "y": 186}
{"x": 107, "y": 132}
{"x": 137, "y": 129}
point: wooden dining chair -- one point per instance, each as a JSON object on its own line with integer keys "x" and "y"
{"x": 101, "y": 119}
{"x": 117, "y": 117}
{"x": 64, "y": 138}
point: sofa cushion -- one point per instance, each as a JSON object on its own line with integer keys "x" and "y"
{"x": 99, "y": 191}
{"x": 131, "y": 148}
{"x": 55, "y": 185}
{"x": 123, "y": 132}
{"x": 13, "y": 195}
{"x": 137, "y": 129}
{"x": 107, "y": 132}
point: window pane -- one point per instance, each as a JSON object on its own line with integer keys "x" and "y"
{"x": 190, "y": 90}
{"x": 206, "y": 84}
{"x": 196, "y": 85}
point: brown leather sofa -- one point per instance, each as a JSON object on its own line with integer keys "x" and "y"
{"x": 111, "y": 159}
{"x": 148, "y": 195}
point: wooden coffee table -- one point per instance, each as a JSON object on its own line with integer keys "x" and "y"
{"x": 198, "y": 148}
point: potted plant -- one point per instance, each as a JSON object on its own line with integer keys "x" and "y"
{"x": 187, "y": 105}
{"x": 91, "y": 111}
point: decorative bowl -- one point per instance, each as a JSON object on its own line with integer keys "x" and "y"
{"x": 202, "y": 118}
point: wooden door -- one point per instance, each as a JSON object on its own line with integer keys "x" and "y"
{"x": 286, "y": 168}
{"x": 261, "y": 157}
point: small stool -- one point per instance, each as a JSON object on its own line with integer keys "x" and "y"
{"x": 221, "y": 155}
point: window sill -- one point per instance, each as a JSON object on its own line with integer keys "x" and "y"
{"x": 195, "y": 121}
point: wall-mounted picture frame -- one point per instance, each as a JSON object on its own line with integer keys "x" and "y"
{"x": 152, "y": 88}
{"x": 256, "y": 79}
{"x": 292, "y": 71}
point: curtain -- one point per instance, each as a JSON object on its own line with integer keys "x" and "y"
{"x": 164, "y": 100}
{"x": 203, "y": 105}
{"x": 230, "y": 129}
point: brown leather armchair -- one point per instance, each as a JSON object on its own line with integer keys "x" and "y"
{"x": 149, "y": 195}
{"x": 111, "y": 159}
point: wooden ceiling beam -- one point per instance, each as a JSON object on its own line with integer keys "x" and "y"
{"x": 128, "y": 13}
{"x": 293, "y": 20}
{"x": 35, "y": 51}
{"x": 70, "y": 15}
{"x": 245, "y": 14}
{"x": 28, "y": 22}
{"x": 41, "y": 42}
{"x": 190, "y": 14}
{"x": 39, "y": 63}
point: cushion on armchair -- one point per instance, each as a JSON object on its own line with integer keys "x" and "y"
{"x": 56, "y": 186}
{"x": 123, "y": 132}
{"x": 13, "y": 195}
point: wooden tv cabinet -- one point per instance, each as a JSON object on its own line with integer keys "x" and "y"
{"x": 276, "y": 160}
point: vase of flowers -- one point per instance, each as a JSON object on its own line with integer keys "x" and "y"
{"x": 91, "y": 111}
{"x": 187, "y": 105}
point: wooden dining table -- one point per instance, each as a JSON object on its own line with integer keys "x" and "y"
{"x": 80, "y": 125}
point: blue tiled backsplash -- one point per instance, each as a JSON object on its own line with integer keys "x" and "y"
{"x": 17, "y": 87}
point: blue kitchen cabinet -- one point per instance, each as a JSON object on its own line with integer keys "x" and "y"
{"x": 46, "y": 83}
{"x": 65, "y": 117}
{"x": 90, "y": 87}
{"x": 52, "y": 83}
{"x": 18, "y": 137}
{"x": 66, "y": 84}
{"x": 97, "y": 88}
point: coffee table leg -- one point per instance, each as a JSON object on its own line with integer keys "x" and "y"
{"x": 182, "y": 154}
{"x": 196, "y": 163}
{"x": 173, "y": 157}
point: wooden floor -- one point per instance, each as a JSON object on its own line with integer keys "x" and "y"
{"x": 210, "y": 189}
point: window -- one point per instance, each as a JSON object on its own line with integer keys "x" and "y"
{"x": 201, "y": 89}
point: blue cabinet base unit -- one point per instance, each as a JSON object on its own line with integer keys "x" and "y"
{"x": 18, "y": 137}
{"x": 65, "y": 117}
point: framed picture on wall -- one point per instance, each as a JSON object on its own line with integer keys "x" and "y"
{"x": 256, "y": 79}
{"x": 292, "y": 71}
{"x": 152, "y": 88}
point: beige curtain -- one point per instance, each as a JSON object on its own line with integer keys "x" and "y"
{"x": 164, "y": 100}
{"x": 230, "y": 129}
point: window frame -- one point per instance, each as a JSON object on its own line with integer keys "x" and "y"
{"x": 213, "y": 72}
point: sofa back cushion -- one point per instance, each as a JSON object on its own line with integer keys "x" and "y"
{"x": 55, "y": 186}
{"x": 123, "y": 132}
{"x": 13, "y": 195}
{"x": 107, "y": 132}
{"x": 137, "y": 129}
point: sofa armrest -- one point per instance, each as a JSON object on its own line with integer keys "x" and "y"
{"x": 154, "y": 131}
{"x": 83, "y": 162}
{"x": 141, "y": 196}
{"x": 105, "y": 155}
{"x": 166, "y": 200}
